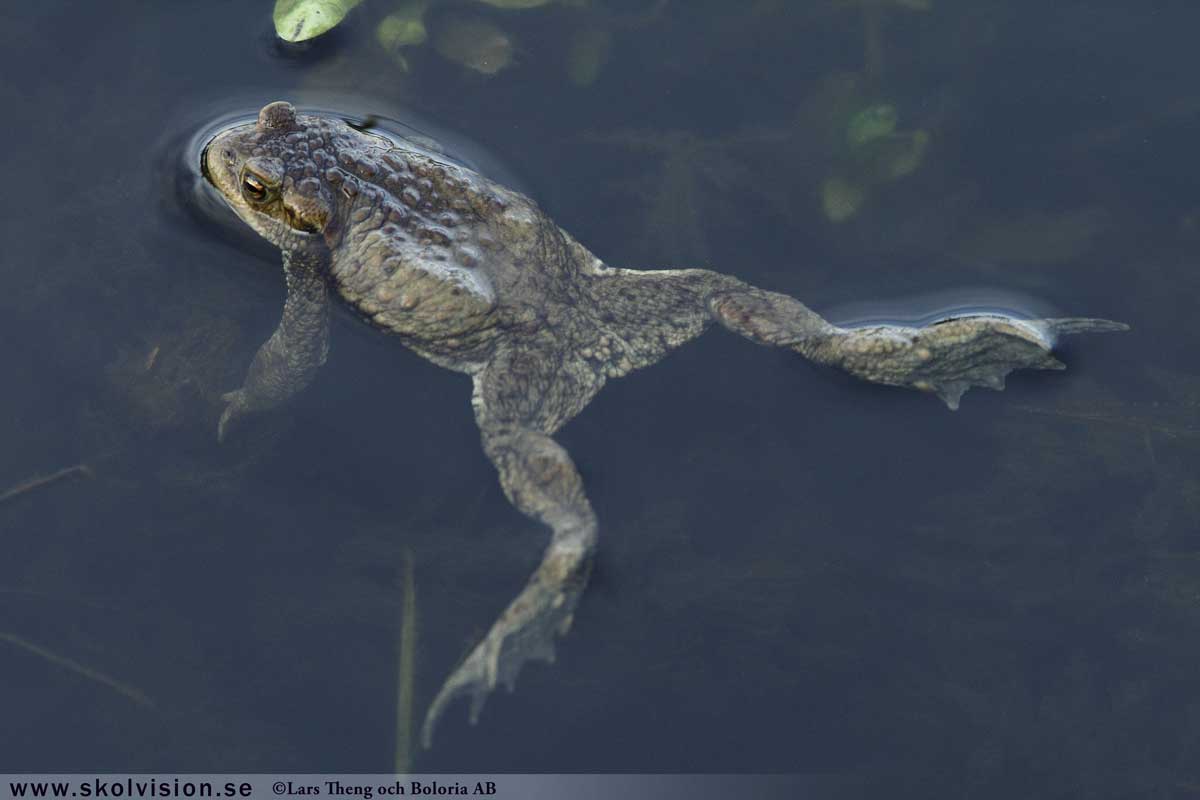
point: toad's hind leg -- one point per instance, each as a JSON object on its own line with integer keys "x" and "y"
{"x": 946, "y": 358}
{"x": 655, "y": 311}
{"x": 518, "y": 404}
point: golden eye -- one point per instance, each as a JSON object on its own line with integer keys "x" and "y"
{"x": 253, "y": 188}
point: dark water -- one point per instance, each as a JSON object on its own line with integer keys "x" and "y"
{"x": 798, "y": 573}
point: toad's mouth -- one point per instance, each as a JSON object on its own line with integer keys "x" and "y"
{"x": 204, "y": 164}
{"x": 209, "y": 171}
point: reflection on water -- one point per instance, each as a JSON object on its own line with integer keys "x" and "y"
{"x": 925, "y": 309}
{"x": 797, "y": 572}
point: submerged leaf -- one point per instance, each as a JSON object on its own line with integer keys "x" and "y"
{"x": 403, "y": 27}
{"x": 475, "y": 43}
{"x": 588, "y": 54}
{"x": 907, "y": 156}
{"x": 300, "y": 20}
{"x": 873, "y": 122}
{"x": 841, "y": 199}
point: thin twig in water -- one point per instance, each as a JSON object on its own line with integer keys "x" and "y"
{"x": 1111, "y": 418}
{"x": 136, "y": 695}
{"x": 24, "y": 487}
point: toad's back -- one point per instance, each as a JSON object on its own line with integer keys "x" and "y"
{"x": 439, "y": 254}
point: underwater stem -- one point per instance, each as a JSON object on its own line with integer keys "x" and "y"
{"x": 872, "y": 40}
{"x": 136, "y": 695}
{"x": 405, "y": 672}
{"x": 77, "y": 471}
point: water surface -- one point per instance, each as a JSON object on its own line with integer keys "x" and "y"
{"x": 798, "y": 572}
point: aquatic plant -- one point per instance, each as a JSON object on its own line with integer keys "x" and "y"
{"x": 404, "y": 27}
{"x": 589, "y": 47}
{"x": 42, "y": 481}
{"x": 907, "y": 154}
{"x": 873, "y": 122}
{"x": 587, "y": 55}
{"x": 300, "y": 20}
{"x": 406, "y": 664}
{"x": 872, "y": 152}
{"x": 872, "y": 16}
{"x": 474, "y": 42}
{"x": 695, "y": 180}
{"x": 124, "y": 689}
{"x": 841, "y": 199}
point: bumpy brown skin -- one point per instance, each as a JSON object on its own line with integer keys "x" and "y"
{"x": 477, "y": 279}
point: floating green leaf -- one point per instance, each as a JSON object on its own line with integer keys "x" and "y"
{"x": 300, "y": 20}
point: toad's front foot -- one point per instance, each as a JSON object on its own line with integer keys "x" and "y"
{"x": 951, "y": 356}
{"x": 237, "y": 407}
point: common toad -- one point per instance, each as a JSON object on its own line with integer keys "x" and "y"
{"x": 476, "y": 278}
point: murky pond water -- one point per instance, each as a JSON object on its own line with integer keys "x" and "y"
{"x": 798, "y": 572}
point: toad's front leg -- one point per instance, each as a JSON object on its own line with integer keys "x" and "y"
{"x": 286, "y": 362}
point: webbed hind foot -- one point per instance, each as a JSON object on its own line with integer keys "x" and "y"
{"x": 946, "y": 358}
{"x": 539, "y": 478}
{"x": 949, "y": 357}
{"x": 524, "y": 632}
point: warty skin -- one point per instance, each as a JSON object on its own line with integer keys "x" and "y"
{"x": 477, "y": 279}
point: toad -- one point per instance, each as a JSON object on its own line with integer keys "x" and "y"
{"x": 476, "y": 278}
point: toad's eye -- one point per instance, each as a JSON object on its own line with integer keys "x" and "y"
{"x": 253, "y": 188}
